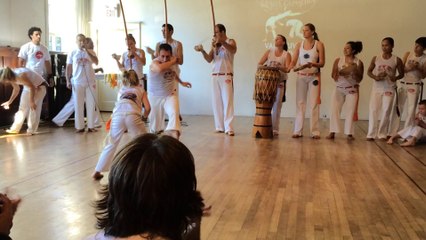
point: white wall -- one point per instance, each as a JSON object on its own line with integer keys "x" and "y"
{"x": 337, "y": 21}
{"x": 17, "y": 16}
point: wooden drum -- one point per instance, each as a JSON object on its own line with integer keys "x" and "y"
{"x": 265, "y": 90}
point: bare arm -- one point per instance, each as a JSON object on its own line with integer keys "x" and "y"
{"x": 295, "y": 57}
{"x": 23, "y": 78}
{"x": 179, "y": 53}
{"x": 400, "y": 68}
{"x": 14, "y": 94}
{"x": 371, "y": 68}
{"x": 92, "y": 56}
{"x": 359, "y": 73}
{"x": 68, "y": 72}
{"x": 21, "y": 62}
{"x": 231, "y": 46}
{"x": 321, "y": 55}
{"x": 146, "y": 105}
{"x": 140, "y": 57}
{"x": 264, "y": 58}
{"x": 335, "y": 71}
{"x": 158, "y": 66}
{"x": 48, "y": 67}
{"x": 286, "y": 68}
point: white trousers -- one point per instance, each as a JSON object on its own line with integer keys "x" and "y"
{"x": 120, "y": 122}
{"x": 84, "y": 95}
{"x": 306, "y": 90}
{"x": 25, "y": 110}
{"x": 339, "y": 97}
{"x": 223, "y": 102}
{"x": 68, "y": 109}
{"x": 412, "y": 131}
{"x": 276, "y": 108}
{"x": 408, "y": 98}
{"x": 380, "y": 109}
{"x": 159, "y": 107}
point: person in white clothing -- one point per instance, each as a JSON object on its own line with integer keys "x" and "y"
{"x": 278, "y": 57}
{"x": 383, "y": 70}
{"x": 31, "y": 97}
{"x": 79, "y": 66}
{"x": 177, "y": 50}
{"x": 34, "y": 55}
{"x": 134, "y": 58}
{"x": 68, "y": 109}
{"x": 151, "y": 193}
{"x": 348, "y": 72}
{"x": 126, "y": 116}
{"x": 308, "y": 58}
{"x": 417, "y": 131}
{"x": 222, "y": 54}
{"x": 411, "y": 86}
{"x": 162, "y": 93}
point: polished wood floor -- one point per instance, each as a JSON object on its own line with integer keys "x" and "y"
{"x": 283, "y": 188}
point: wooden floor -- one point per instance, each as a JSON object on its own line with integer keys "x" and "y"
{"x": 259, "y": 188}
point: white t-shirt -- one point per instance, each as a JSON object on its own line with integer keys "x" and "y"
{"x": 346, "y": 81}
{"x": 223, "y": 60}
{"x": 35, "y": 57}
{"x": 306, "y": 56}
{"x": 35, "y": 78}
{"x": 414, "y": 76}
{"x": 137, "y": 66}
{"x": 129, "y": 100}
{"x": 280, "y": 61}
{"x": 162, "y": 84}
{"x": 388, "y": 66}
{"x": 82, "y": 70}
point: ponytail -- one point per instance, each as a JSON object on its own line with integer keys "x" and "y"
{"x": 7, "y": 74}
{"x": 312, "y": 28}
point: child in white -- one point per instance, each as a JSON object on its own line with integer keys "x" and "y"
{"x": 412, "y": 134}
{"x": 31, "y": 98}
{"x": 126, "y": 116}
{"x": 278, "y": 57}
{"x": 347, "y": 72}
{"x": 383, "y": 70}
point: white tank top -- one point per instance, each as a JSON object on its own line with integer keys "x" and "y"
{"x": 223, "y": 60}
{"x": 306, "y": 56}
{"x": 388, "y": 66}
{"x": 161, "y": 84}
{"x": 280, "y": 61}
{"x": 414, "y": 76}
{"x": 129, "y": 99}
{"x": 137, "y": 66}
{"x": 35, "y": 78}
{"x": 343, "y": 81}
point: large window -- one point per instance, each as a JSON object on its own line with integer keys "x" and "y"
{"x": 62, "y": 25}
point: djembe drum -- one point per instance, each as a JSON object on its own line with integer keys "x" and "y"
{"x": 265, "y": 90}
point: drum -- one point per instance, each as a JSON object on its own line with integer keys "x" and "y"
{"x": 265, "y": 90}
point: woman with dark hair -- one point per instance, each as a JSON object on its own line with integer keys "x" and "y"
{"x": 151, "y": 192}
{"x": 411, "y": 86}
{"x": 126, "y": 116}
{"x": 31, "y": 98}
{"x": 348, "y": 72}
{"x": 278, "y": 57}
{"x": 383, "y": 70}
{"x": 308, "y": 58}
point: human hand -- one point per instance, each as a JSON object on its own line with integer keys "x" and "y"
{"x": 116, "y": 57}
{"x": 198, "y": 48}
{"x": 149, "y": 50}
{"x": 186, "y": 84}
{"x": 5, "y": 105}
{"x": 33, "y": 105}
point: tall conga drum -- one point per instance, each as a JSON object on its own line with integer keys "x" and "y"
{"x": 265, "y": 90}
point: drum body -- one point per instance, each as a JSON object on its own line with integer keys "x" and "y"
{"x": 265, "y": 90}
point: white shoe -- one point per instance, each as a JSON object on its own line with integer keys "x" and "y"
{"x": 12, "y": 131}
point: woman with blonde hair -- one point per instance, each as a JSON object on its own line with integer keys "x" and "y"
{"x": 126, "y": 116}
{"x": 31, "y": 97}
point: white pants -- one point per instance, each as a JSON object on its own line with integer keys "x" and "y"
{"x": 276, "y": 108}
{"x": 408, "y": 95}
{"x": 25, "y": 110}
{"x": 307, "y": 87}
{"x": 380, "y": 103}
{"x": 84, "y": 94}
{"x": 412, "y": 131}
{"x": 223, "y": 102}
{"x": 339, "y": 97}
{"x": 159, "y": 107}
{"x": 68, "y": 109}
{"x": 120, "y": 122}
